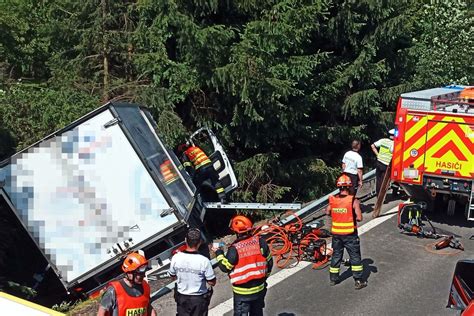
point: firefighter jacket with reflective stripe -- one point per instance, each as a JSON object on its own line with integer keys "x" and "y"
{"x": 231, "y": 261}
{"x": 129, "y": 305}
{"x": 168, "y": 172}
{"x": 342, "y": 214}
{"x": 251, "y": 265}
{"x": 385, "y": 150}
{"x": 197, "y": 157}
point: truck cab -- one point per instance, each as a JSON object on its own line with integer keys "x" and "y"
{"x": 205, "y": 139}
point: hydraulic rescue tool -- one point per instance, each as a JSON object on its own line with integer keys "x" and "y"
{"x": 417, "y": 230}
{"x": 449, "y": 241}
{"x": 410, "y": 221}
{"x": 294, "y": 242}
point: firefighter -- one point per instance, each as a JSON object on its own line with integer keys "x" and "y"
{"x": 383, "y": 149}
{"x": 345, "y": 212}
{"x": 352, "y": 166}
{"x": 131, "y": 294}
{"x": 248, "y": 262}
{"x": 187, "y": 164}
{"x": 203, "y": 169}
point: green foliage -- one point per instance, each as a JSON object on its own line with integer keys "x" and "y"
{"x": 33, "y": 112}
{"x": 64, "y": 306}
{"x": 7, "y": 144}
{"x": 255, "y": 179}
{"x": 315, "y": 175}
{"x": 24, "y": 44}
{"x": 18, "y": 290}
{"x": 443, "y": 50}
{"x": 285, "y": 84}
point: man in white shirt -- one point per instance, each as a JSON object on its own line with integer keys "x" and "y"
{"x": 193, "y": 273}
{"x": 352, "y": 166}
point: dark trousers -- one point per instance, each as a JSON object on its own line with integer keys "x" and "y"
{"x": 245, "y": 307}
{"x": 355, "y": 183}
{"x": 352, "y": 244}
{"x": 208, "y": 172}
{"x": 379, "y": 174}
{"x": 192, "y": 305}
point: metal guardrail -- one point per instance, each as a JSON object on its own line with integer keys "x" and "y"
{"x": 162, "y": 292}
{"x": 367, "y": 191}
{"x": 253, "y": 206}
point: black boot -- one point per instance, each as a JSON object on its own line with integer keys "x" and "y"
{"x": 359, "y": 284}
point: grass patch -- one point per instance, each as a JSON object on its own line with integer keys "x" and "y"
{"x": 86, "y": 307}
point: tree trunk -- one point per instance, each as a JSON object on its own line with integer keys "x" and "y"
{"x": 105, "y": 91}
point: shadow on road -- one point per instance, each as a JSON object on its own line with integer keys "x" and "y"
{"x": 393, "y": 197}
{"x": 458, "y": 219}
{"x": 369, "y": 268}
{"x": 367, "y": 208}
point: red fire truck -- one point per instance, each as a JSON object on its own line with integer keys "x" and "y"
{"x": 433, "y": 156}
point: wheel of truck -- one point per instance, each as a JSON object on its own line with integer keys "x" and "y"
{"x": 440, "y": 203}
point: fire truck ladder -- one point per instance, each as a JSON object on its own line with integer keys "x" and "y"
{"x": 470, "y": 211}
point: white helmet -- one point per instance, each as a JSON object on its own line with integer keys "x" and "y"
{"x": 391, "y": 132}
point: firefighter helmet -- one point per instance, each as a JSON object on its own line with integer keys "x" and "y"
{"x": 133, "y": 262}
{"x": 240, "y": 224}
{"x": 343, "y": 181}
{"x": 391, "y": 132}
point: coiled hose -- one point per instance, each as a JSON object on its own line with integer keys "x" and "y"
{"x": 288, "y": 243}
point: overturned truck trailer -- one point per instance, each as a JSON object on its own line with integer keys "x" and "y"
{"x": 91, "y": 192}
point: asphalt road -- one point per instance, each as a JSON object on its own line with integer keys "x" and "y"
{"x": 405, "y": 276}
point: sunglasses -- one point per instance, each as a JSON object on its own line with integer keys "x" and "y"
{"x": 141, "y": 270}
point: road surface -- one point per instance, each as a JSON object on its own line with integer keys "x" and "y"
{"x": 405, "y": 276}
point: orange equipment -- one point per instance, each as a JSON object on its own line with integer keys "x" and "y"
{"x": 414, "y": 229}
{"x": 295, "y": 242}
{"x": 449, "y": 241}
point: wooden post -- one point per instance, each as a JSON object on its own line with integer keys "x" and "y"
{"x": 383, "y": 191}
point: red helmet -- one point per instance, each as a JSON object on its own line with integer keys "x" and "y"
{"x": 133, "y": 261}
{"x": 343, "y": 181}
{"x": 240, "y": 224}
